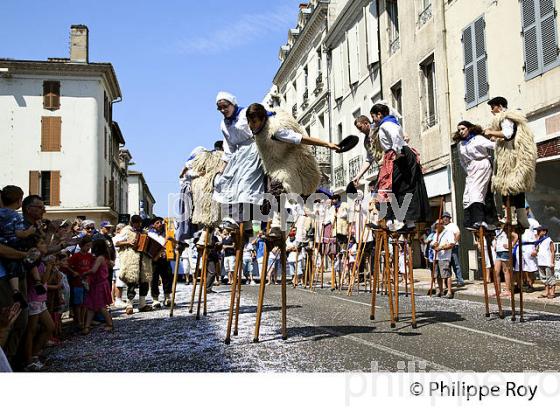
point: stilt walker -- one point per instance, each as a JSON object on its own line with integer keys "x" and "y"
{"x": 515, "y": 168}
{"x": 291, "y": 168}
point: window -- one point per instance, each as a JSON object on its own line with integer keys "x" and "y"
{"x": 396, "y": 95}
{"x": 51, "y": 95}
{"x": 540, "y": 42}
{"x": 105, "y": 142}
{"x": 356, "y": 113}
{"x": 475, "y": 67}
{"x": 50, "y": 134}
{"x": 319, "y": 61}
{"x": 393, "y": 15}
{"x": 428, "y": 87}
{"x": 305, "y": 76}
{"x": 46, "y": 184}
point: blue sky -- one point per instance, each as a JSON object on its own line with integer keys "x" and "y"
{"x": 171, "y": 58}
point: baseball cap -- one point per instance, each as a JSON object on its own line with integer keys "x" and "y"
{"x": 105, "y": 224}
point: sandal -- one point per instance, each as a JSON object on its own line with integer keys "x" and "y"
{"x": 108, "y": 328}
{"x": 543, "y": 296}
{"x": 86, "y": 330}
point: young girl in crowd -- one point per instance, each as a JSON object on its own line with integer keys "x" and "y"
{"x": 40, "y": 325}
{"x": 99, "y": 295}
{"x": 78, "y": 264}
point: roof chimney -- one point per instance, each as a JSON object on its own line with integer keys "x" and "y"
{"x": 79, "y": 44}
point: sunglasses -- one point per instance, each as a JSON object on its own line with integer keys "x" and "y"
{"x": 90, "y": 228}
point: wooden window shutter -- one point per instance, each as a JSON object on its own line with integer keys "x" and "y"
{"x": 34, "y": 182}
{"x": 55, "y": 189}
{"x": 51, "y": 95}
{"x": 475, "y": 66}
{"x": 51, "y": 134}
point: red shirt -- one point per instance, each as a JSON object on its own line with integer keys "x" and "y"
{"x": 80, "y": 262}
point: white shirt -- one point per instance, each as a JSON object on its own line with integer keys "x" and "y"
{"x": 247, "y": 251}
{"x": 476, "y": 149}
{"x": 116, "y": 239}
{"x": 446, "y": 237}
{"x": 236, "y": 134}
{"x": 452, "y": 226}
{"x": 544, "y": 256}
{"x": 502, "y": 242}
{"x": 508, "y": 128}
{"x": 288, "y": 136}
{"x": 292, "y": 254}
{"x": 391, "y": 137}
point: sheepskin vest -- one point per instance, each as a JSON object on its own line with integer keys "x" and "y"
{"x": 135, "y": 268}
{"x": 205, "y": 165}
{"x": 515, "y": 159}
{"x": 293, "y": 165}
{"x": 373, "y": 146}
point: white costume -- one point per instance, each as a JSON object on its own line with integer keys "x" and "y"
{"x": 474, "y": 155}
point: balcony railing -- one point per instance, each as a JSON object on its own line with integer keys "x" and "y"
{"x": 323, "y": 156}
{"x": 354, "y": 166}
{"x": 294, "y": 111}
{"x": 339, "y": 174}
{"x": 395, "y": 45}
{"x": 425, "y": 15}
{"x": 318, "y": 84}
{"x": 305, "y": 102}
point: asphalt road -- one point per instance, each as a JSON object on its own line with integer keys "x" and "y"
{"x": 327, "y": 332}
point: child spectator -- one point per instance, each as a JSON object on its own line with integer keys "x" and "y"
{"x": 99, "y": 295}
{"x": 545, "y": 254}
{"x": 12, "y": 232}
{"x": 40, "y": 325}
{"x": 78, "y": 264}
{"x": 55, "y": 298}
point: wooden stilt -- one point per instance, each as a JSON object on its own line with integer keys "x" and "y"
{"x": 233, "y": 289}
{"x": 262, "y": 289}
{"x": 175, "y": 277}
{"x": 484, "y": 271}
{"x": 203, "y": 273}
{"x": 356, "y": 262}
{"x": 239, "y": 273}
{"x": 295, "y": 279}
{"x": 412, "y": 295}
{"x": 396, "y": 273}
{"x": 496, "y": 278}
{"x": 376, "y": 265}
{"x": 284, "y": 329}
{"x": 388, "y": 279}
{"x": 406, "y": 266}
{"x": 520, "y": 258}
{"x": 195, "y": 276}
{"x": 510, "y": 252}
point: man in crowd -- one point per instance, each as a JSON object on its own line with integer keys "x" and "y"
{"x": 136, "y": 267}
{"x": 455, "y": 262}
{"x": 161, "y": 266}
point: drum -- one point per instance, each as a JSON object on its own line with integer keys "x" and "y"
{"x": 148, "y": 246}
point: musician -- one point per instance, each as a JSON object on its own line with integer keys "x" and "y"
{"x": 136, "y": 267}
{"x": 161, "y": 266}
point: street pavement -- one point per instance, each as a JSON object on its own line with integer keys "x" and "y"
{"x": 327, "y": 332}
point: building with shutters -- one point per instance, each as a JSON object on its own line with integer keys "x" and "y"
{"x": 510, "y": 48}
{"x": 414, "y": 80}
{"x": 300, "y": 84}
{"x": 58, "y": 136}
{"x": 354, "y": 81}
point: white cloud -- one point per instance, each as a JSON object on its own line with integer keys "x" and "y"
{"x": 247, "y": 29}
